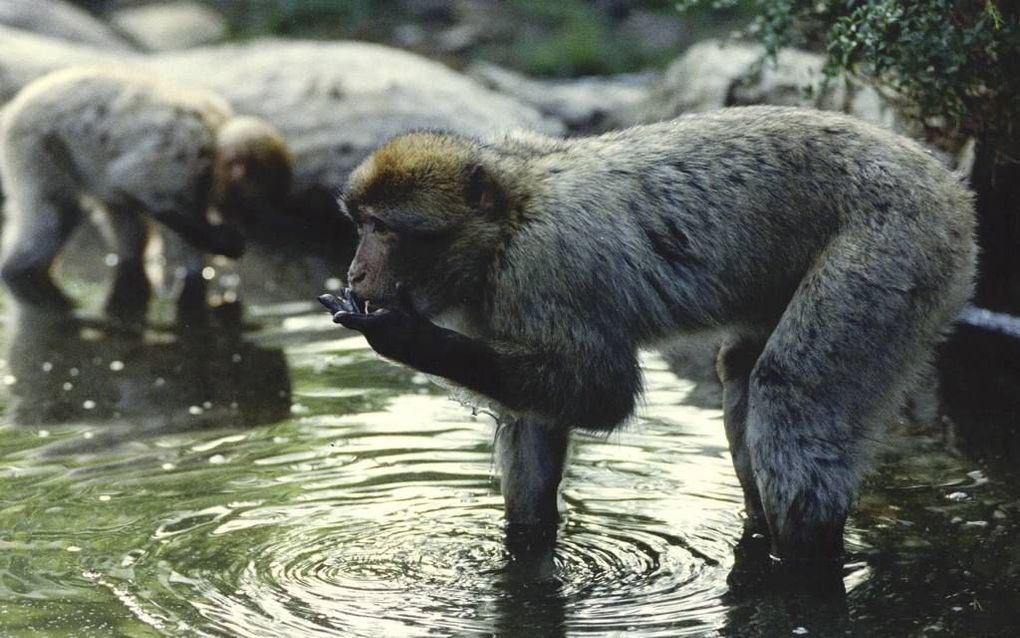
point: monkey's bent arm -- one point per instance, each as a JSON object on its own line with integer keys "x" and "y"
{"x": 592, "y": 387}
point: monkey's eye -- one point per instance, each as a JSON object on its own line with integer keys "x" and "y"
{"x": 378, "y": 226}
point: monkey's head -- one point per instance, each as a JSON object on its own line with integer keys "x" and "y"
{"x": 431, "y": 215}
{"x": 252, "y": 170}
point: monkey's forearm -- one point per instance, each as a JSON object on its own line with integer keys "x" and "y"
{"x": 593, "y": 391}
{"x": 220, "y": 240}
{"x": 469, "y": 362}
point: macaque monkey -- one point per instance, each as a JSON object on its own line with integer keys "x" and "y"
{"x": 529, "y": 271}
{"x": 135, "y": 147}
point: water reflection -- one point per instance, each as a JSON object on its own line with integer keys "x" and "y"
{"x": 67, "y": 370}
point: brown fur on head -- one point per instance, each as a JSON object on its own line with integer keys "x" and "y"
{"x": 253, "y": 168}
{"x": 432, "y": 214}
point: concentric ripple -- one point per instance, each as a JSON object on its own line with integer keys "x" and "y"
{"x": 387, "y": 521}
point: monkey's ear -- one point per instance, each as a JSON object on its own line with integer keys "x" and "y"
{"x": 482, "y": 192}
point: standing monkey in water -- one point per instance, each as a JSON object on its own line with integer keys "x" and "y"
{"x": 529, "y": 271}
{"x": 133, "y": 145}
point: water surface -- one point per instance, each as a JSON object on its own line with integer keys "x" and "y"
{"x": 287, "y": 482}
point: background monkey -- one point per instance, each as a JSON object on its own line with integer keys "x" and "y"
{"x": 133, "y": 145}
{"x": 834, "y": 255}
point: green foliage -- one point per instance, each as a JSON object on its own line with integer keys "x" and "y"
{"x": 954, "y": 61}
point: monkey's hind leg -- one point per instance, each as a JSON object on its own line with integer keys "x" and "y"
{"x": 531, "y": 460}
{"x": 131, "y": 291}
{"x": 859, "y": 328}
{"x": 35, "y": 230}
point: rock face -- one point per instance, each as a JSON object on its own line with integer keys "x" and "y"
{"x": 24, "y": 56}
{"x": 583, "y": 104}
{"x": 62, "y": 20}
{"x": 335, "y": 101}
{"x": 713, "y": 74}
{"x": 176, "y": 25}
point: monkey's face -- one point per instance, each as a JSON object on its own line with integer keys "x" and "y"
{"x": 395, "y": 260}
{"x": 251, "y": 185}
{"x": 431, "y": 218}
{"x": 430, "y": 256}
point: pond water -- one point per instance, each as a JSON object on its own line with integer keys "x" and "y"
{"x": 287, "y": 482}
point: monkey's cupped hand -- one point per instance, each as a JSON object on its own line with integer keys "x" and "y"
{"x": 392, "y": 332}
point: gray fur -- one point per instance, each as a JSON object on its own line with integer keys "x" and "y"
{"x": 833, "y": 253}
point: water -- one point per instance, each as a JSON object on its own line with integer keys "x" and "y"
{"x": 289, "y": 483}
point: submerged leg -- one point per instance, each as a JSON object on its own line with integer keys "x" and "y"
{"x": 129, "y": 297}
{"x": 531, "y": 459}
{"x": 860, "y": 327}
{"x": 192, "y": 304}
{"x": 33, "y": 235}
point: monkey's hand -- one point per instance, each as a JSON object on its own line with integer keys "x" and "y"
{"x": 395, "y": 333}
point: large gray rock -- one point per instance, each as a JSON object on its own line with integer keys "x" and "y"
{"x": 25, "y": 56}
{"x": 63, "y": 20}
{"x": 170, "y": 26}
{"x": 713, "y": 74}
{"x": 336, "y": 101}
{"x": 583, "y": 104}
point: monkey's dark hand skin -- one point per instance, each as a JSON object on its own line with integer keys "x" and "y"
{"x": 408, "y": 338}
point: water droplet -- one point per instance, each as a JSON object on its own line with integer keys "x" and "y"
{"x": 207, "y": 405}
{"x": 195, "y": 410}
{"x": 159, "y": 382}
{"x": 43, "y": 434}
{"x": 104, "y": 497}
{"x": 111, "y": 259}
{"x": 217, "y": 459}
{"x": 74, "y": 372}
{"x": 67, "y": 386}
{"x": 88, "y": 404}
{"x": 47, "y": 366}
{"x": 87, "y": 435}
{"x": 10, "y": 379}
{"x": 208, "y": 273}
{"x": 116, "y": 366}
{"x": 73, "y": 548}
{"x": 168, "y": 466}
{"x": 333, "y": 284}
{"x": 800, "y": 631}
{"x": 236, "y": 357}
{"x": 957, "y": 496}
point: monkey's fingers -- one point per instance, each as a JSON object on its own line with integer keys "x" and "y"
{"x": 356, "y": 321}
{"x": 332, "y": 303}
{"x": 352, "y": 301}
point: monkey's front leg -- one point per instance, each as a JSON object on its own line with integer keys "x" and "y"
{"x": 531, "y": 459}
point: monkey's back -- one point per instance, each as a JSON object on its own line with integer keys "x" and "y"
{"x": 109, "y": 132}
{"x": 722, "y": 214}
